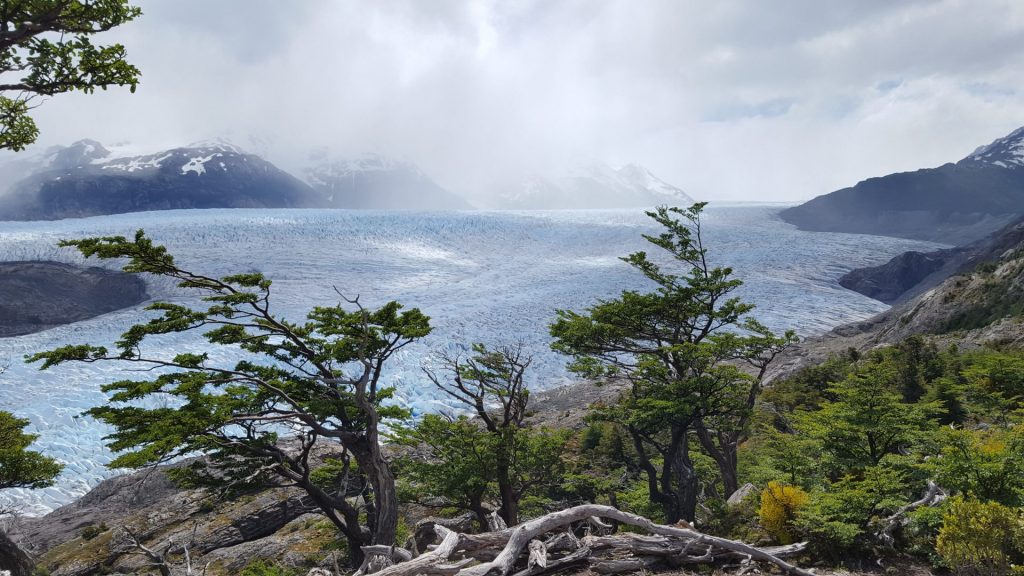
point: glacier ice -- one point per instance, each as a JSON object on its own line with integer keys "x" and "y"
{"x": 481, "y": 276}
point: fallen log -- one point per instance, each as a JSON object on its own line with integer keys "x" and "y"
{"x": 667, "y": 544}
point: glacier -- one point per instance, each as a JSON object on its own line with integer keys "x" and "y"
{"x": 494, "y": 277}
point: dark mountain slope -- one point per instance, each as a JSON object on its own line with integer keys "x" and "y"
{"x": 954, "y": 203}
{"x": 83, "y": 180}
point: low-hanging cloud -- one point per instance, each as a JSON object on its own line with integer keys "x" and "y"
{"x": 728, "y": 99}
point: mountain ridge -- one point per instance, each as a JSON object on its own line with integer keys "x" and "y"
{"x": 955, "y": 203}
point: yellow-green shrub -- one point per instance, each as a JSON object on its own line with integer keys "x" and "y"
{"x": 981, "y": 538}
{"x": 779, "y": 504}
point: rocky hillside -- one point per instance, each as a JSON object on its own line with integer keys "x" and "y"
{"x": 595, "y": 186}
{"x": 86, "y": 179}
{"x": 983, "y": 306}
{"x": 35, "y": 296}
{"x": 377, "y": 182}
{"x": 912, "y": 273}
{"x": 954, "y": 203}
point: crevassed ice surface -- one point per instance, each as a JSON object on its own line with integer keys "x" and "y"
{"x": 494, "y": 277}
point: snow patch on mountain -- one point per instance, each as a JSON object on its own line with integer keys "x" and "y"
{"x": 1003, "y": 152}
{"x": 198, "y": 164}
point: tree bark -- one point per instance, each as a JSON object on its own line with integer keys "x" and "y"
{"x": 680, "y": 480}
{"x": 723, "y": 453}
{"x": 371, "y": 461}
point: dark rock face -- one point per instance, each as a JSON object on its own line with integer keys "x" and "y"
{"x": 953, "y": 204}
{"x": 894, "y": 278}
{"x": 35, "y": 296}
{"x": 229, "y": 532}
{"x": 912, "y": 273}
{"x": 12, "y": 559}
{"x": 81, "y": 181}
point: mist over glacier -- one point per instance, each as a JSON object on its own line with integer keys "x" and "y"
{"x": 494, "y": 277}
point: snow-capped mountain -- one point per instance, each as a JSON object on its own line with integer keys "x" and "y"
{"x": 1005, "y": 152}
{"x": 595, "y": 186}
{"x": 373, "y": 181}
{"x": 87, "y": 179}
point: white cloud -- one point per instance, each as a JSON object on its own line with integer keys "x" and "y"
{"x": 729, "y": 99}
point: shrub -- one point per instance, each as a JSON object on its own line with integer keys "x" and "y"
{"x": 779, "y": 505}
{"x": 90, "y": 532}
{"x": 979, "y": 538}
{"x": 265, "y": 568}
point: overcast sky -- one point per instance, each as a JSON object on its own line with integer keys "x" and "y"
{"x": 727, "y": 99}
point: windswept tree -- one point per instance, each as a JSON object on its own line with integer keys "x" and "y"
{"x": 692, "y": 356}
{"x": 321, "y": 381}
{"x": 46, "y": 49}
{"x": 494, "y": 454}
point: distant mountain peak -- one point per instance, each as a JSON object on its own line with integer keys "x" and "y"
{"x": 595, "y": 185}
{"x": 377, "y": 181}
{"x": 219, "y": 144}
{"x": 86, "y": 179}
{"x": 82, "y": 152}
{"x": 1004, "y": 152}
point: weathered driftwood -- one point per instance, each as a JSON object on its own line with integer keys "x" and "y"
{"x": 607, "y": 554}
{"x": 933, "y": 496}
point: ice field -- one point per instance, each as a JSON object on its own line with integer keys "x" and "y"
{"x": 494, "y": 277}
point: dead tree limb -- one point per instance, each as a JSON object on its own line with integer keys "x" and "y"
{"x": 933, "y": 495}
{"x": 670, "y": 544}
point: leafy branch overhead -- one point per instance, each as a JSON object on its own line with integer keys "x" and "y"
{"x": 46, "y": 48}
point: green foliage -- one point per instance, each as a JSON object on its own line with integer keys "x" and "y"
{"x": 266, "y": 568}
{"x": 19, "y": 466}
{"x": 981, "y": 538}
{"x": 680, "y": 347}
{"x": 865, "y": 432}
{"x": 837, "y": 519}
{"x": 866, "y": 422}
{"x": 321, "y": 379}
{"x": 494, "y": 457}
{"x": 90, "y": 532}
{"x": 46, "y": 49}
{"x": 988, "y": 463}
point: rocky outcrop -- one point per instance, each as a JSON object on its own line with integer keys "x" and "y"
{"x": 983, "y": 306}
{"x": 13, "y": 560}
{"x": 912, "y": 273}
{"x": 35, "y": 296}
{"x": 896, "y": 277}
{"x": 90, "y": 536}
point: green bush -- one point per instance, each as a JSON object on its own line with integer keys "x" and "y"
{"x": 90, "y": 532}
{"x": 266, "y": 568}
{"x": 979, "y": 538}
